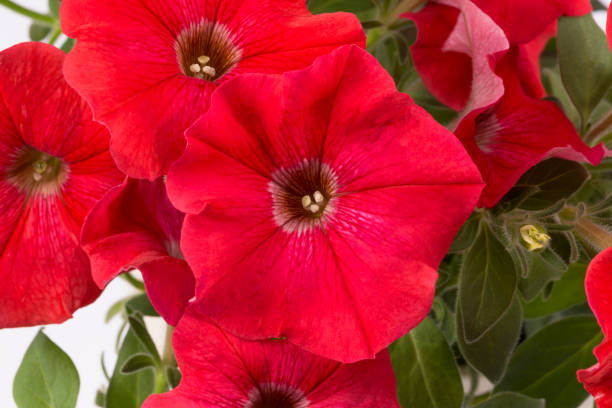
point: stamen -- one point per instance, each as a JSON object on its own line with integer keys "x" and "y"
{"x": 195, "y": 68}
{"x": 318, "y": 197}
{"x": 209, "y": 71}
{"x": 40, "y": 166}
{"x": 306, "y": 201}
{"x": 203, "y": 59}
{"x": 314, "y": 208}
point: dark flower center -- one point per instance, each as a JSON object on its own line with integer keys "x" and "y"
{"x": 303, "y": 195}
{"x": 272, "y": 395}
{"x": 206, "y": 51}
{"x": 36, "y": 172}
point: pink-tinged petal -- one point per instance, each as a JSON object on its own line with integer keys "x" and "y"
{"x": 512, "y": 136}
{"x": 55, "y": 165}
{"x": 135, "y": 227}
{"x": 598, "y": 283}
{"x": 145, "y": 94}
{"x": 363, "y": 156}
{"x": 219, "y": 369}
{"x": 524, "y": 20}
{"x": 444, "y": 41}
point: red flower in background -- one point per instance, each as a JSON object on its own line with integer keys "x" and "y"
{"x": 609, "y": 26}
{"x": 598, "y": 284}
{"x": 524, "y": 20}
{"x": 135, "y": 227}
{"x": 220, "y": 370}
{"x": 55, "y": 165}
{"x": 508, "y": 138}
{"x": 321, "y": 218}
{"x": 456, "y": 70}
{"x": 460, "y": 41}
{"x": 148, "y": 69}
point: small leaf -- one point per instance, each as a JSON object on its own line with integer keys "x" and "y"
{"x": 114, "y": 310}
{"x": 100, "y": 399}
{"x": 173, "y": 375}
{"x": 136, "y": 363}
{"x": 68, "y": 44}
{"x": 425, "y": 369}
{"x": 363, "y": 8}
{"x": 544, "y": 366}
{"x": 491, "y": 353}
{"x": 512, "y": 400}
{"x": 466, "y": 236}
{"x": 567, "y": 292}
{"x": 129, "y": 391}
{"x": 544, "y": 266}
{"x": 585, "y": 62}
{"x": 486, "y": 286}
{"x": 141, "y": 304}
{"x": 140, "y": 330}
{"x": 46, "y": 378}
{"x": 39, "y": 31}
{"x": 547, "y": 183}
{"x": 555, "y": 84}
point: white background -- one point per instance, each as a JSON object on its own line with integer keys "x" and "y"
{"x": 85, "y": 336}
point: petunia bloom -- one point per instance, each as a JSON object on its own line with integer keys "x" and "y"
{"x": 456, "y": 70}
{"x": 460, "y": 71}
{"x": 508, "y": 138}
{"x": 598, "y": 284}
{"x": 148, "y": 69}
{"x": 524, "y": 20}
{"x": 220, "y": 370}
{"x": 135, "y": 227}
{"x": 55, "y": 165}
{"x": 320, "y": 216}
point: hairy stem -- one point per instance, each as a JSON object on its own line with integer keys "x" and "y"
{"x": 599, "y": 130}
{"x": 402, "y": 7}
{"x": 27, "y": 12}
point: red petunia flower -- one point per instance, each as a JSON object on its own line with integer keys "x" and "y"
{"x": 524, "y": 20}
{"x": 321, "y": 218}
{"x": 456, "y": 70}
{"x": 609, "y": 26}
{"x": 220, "y": 370}
{"x": 135, "y": 227}
{"x": 148, "y": 69}
{"x": 598, "y": 284}
{"x": 508, "y": 138}
{"x": 55, "y": 165}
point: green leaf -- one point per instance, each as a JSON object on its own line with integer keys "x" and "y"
{"x": 585, "y": 62}
{"x": 68, "y": 44}
{"x": 363, "y": 8}
{"x": 555, "y": 85}
{"x": 173, "y": 375}
{"x": 544, "y": 366}
{"x": 425, "y": 369}
{"x": 512, "y": 400}
{"x": 129, "y": 391}
{"x": 39, "y": 31}
{"x": 544, "y": 266}
{"x": 547, "y": 183}
{"x": 466, "y": 236}
{"x": 141, "y": 304}
{"x": 567, "y": 292}
{"x": 100, "y": 398}
{"x": 140, "y": 330}
{"x": 46, "y": 378}
{"x": 136, "y": 363}
{"x": 491, "y": 353}
{"x": 486, "y": 286}
{"x": 115, "y": 309}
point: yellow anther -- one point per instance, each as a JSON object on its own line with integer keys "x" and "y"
{"x": 203, "y": 59}
{"x": 306, "y": 201}
{"x": 40, "y": 166}
{"x": 534, "y": 238}
{"x": 318, "y": 197}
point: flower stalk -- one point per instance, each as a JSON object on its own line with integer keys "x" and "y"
{"x": 44, "y": 18}
{"x": 402, "y": 7}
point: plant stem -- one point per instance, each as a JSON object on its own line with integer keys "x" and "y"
{"x": 402, "y": 7}
{"x": 168, "y": 352}
{"x": 599, "y": 129}
{"x": 28, "y": 13}
{"x": 55, "y": 36}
